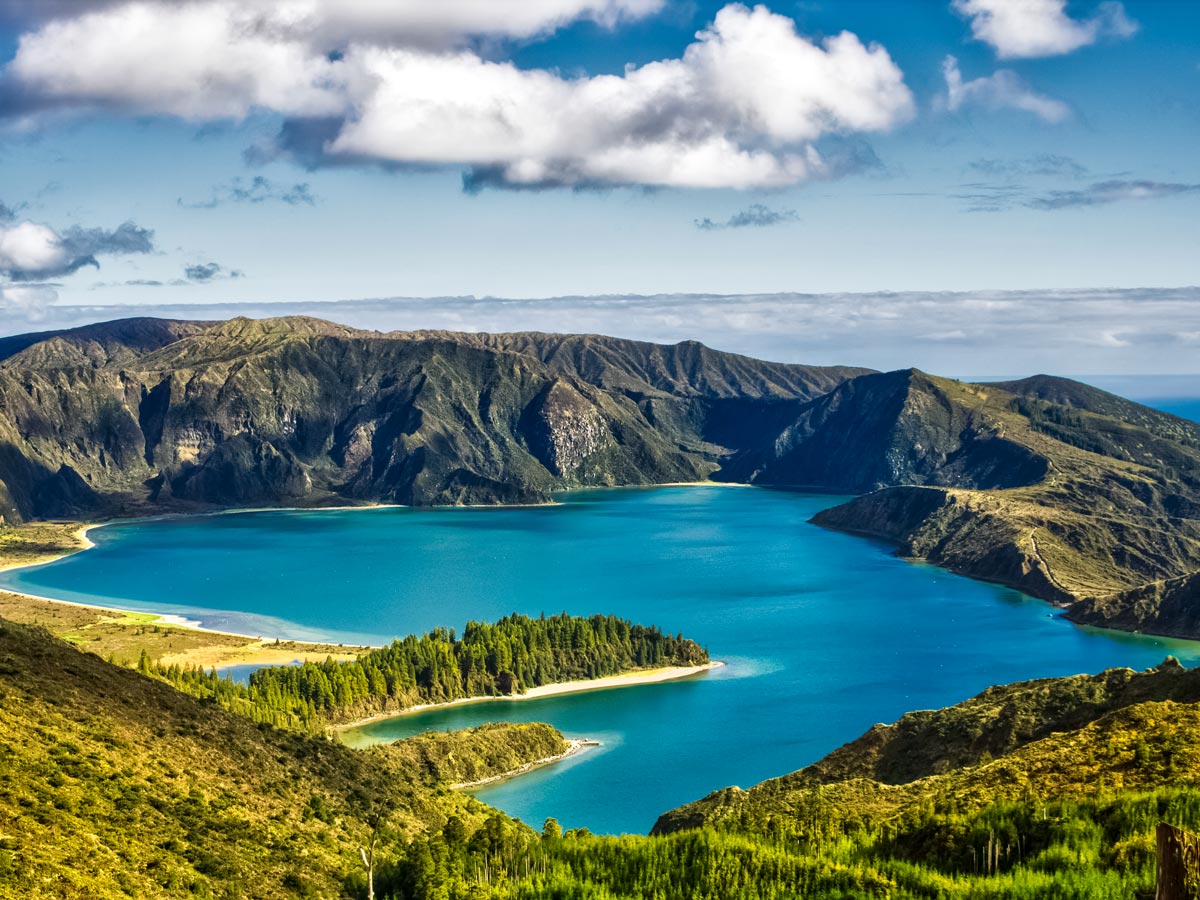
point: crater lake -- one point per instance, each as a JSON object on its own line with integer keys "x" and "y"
{"x": 823, "y": 634}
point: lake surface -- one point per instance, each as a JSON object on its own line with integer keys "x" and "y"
{"x": 824, "y": 634}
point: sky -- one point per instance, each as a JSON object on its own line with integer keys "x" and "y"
{"x": 963, "y": 185}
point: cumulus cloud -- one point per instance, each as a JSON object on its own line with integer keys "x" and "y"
{"x": 256, "y": 191}
{"x": 1032, "y": 28}
{"x": 31, "y": 248}
{"x": 335, "y": 22}
{"x": 1113, "y": 191}
{"x": 1003, "y": 89}
{"x": 742, "y": 107}
{"x": 30, "y": 251}
{"x": 199, "y": 61}
{"x": 210, "y": 271}
{"x": 754, "y": 216}
{"x": 745, "y": 105}
{"x": 28, "y": 302}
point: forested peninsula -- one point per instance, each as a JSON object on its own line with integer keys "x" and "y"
{"x": 489, "y": 660}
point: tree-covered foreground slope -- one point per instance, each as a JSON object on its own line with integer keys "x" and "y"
{"x": 116, "y": 785}
{"x": 1064, "y": 491}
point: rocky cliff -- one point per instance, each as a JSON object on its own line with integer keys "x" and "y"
{"x": 1045, "y": 484}
{"x": 143, "y": 415}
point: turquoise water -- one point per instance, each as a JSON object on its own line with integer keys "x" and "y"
{"x": 824, "y": 634}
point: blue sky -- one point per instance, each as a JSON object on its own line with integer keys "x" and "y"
{"x": 942, "y": 146}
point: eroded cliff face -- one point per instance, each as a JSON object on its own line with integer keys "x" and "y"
{"x": 888, "y": 429}
{"x": 297, "y": 410}
{"x": 566, "y": 431}
{"x": 1046, "y": 485}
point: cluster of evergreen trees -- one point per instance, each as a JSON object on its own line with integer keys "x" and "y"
{"x": 1100, "y": 848}
{"x": 508, "y": 657}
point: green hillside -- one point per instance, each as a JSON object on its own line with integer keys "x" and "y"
{"x": 116, "y": 785}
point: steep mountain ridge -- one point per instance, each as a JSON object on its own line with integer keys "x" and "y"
{"x": 298, "y": 410}
{"x": 892, "y": 428}
{"x": 686, "y": 369}
{"x": 1045, "y": 484}
{"x": 106, "y": 343}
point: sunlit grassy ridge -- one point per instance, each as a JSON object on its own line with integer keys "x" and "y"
{"x": 116, "y": 785}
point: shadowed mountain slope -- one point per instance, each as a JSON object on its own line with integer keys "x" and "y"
{"x": 1045, "y": 484}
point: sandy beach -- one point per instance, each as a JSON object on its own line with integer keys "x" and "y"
{"x": 626, "y": 679}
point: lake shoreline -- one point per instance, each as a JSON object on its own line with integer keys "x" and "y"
{"x": 575, "y": 746}
{"x": 632, "y": 678}
{"x": 174, "y": 620}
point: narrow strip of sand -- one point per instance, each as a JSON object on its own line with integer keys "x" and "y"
{"x": 625, "y": 679}
{"x": 574, "y": 746}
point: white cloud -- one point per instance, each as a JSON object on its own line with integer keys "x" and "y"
{"x": 30, "y": 251}
{"x": 1139, "y": 330}
{"x": 195, "y": 60}
{"x": 1003, "y": 89}
{"x": 434, "y": 22}
{"x": 742, "y": 107}
{"x": 337, "y": 22}
{"x": 1032, "y": 28}
{"x": 27, "y": 302}
{"x": 29, "y": 247}
{"x": 213, "y": 59}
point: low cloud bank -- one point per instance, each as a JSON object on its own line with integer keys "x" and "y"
{"x": 1117, "y": 331}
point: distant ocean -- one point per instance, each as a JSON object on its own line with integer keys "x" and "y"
{"x": 1176, "y": 394}
{"x": 1187, "y": 407}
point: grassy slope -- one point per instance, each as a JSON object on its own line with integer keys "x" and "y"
{"x": 113, "y": 784}
{"x": 116, "y": 785}
{"x": 1112, "y": 522}
{"x": 1084, "y": 769}
{"x": 38, "y": 542}
{"x": 1051, "y": 739}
